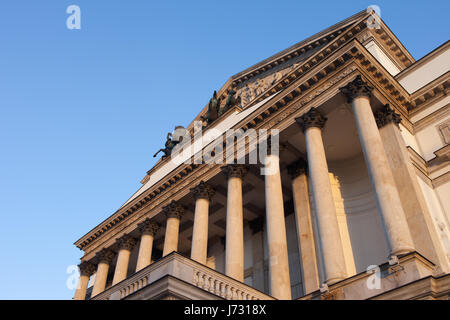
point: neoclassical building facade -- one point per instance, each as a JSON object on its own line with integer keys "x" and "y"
{"x": 355, "y": 205}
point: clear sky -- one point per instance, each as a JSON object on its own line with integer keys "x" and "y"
{"x": 83, "y": 111}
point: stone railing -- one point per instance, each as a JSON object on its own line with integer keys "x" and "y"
{"x": 225, "y": 287}
{"x": 189, "y": 271}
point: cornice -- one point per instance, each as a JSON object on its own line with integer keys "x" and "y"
{"x": 436, "y": 116}
{"x": 308, "y": 44}
{"x": 344, "y": 56}
{"x": 423, "y": 60}
{"x": 429, "y": 94}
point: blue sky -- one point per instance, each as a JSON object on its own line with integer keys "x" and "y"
{"x": 83, "y": 111}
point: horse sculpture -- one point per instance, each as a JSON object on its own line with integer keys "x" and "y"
{"x": 171, "y": 143}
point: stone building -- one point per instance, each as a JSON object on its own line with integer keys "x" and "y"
{"x": 356, "y": 205}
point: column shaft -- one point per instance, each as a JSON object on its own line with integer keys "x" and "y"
{"x": 126, "y": 244}
{"x": 145, "y": 251}
{"x": 80, "y": 293}
{"x": 419, "y": 219}
{"x": 280, "y": 283}
{"x": 100, "y": 278}
{"x": 234, "y": 247}
{"x": 304, "y": 226}
{"x": 148, "y": 231}
{"x": 330, "y": 238}
{"x": 333, "y": 254}
{"x": 200, "y": 231}
{"x": 120, "y": 273}
{"x": 171, "y": 238}
{"x": 174, "y": 212}
{"x": 383, "y": 184}
{"x": 86, "y": 269}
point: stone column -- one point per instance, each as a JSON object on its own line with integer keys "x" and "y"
{"x": 304, "y": 224}
{"x": 148, "y": 230}
{"x": 104, "y": 258}
{"x": 86, "y": 269}
{"x": 125, "y": 244}
{"x": 234, "y": 242}
{"x": 174, "y": 213}
{"x": 280, "y": 283}
{"x": 419, "y": 219}
{"x": 202, "y": 195}
{"x": 358, "y": 93}
{"x": 333, "y": 254}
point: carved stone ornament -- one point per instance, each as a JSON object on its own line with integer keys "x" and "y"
{"x": 86, "y": 268}
{"x": 356, "y": 88}
{"x": 173, "y": 210}
{"x": 203, "y": 191}
{"x": 148, "y": 227}
{"x": 235, "y": 170}
{"x": 105, "y": 256}
{"x": 387, "y": 115}
{"x": 297, "y": 168}
{"x": 313, "y": 118}
{"x": 126, "y": 242}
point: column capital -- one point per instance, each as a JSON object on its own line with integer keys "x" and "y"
{"x": 86, "y": 268}
{"x": 313, "y": 118}
{"x": 297, "y": 168}
{"x": 356, "y": 88}
{"x": 148, "y": 227}
{"x": 105, "y": 256}
{"x": 235, "y": 170}
{"x": 173, "y": 210}
{"x": 203, "y": 191}
{"x": 387, "y": 115}
{"x": 126, "y": 242}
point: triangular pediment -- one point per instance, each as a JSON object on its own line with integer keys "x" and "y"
{"x": 257, "y": 79}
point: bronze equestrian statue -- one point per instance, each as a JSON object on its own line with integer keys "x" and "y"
{"x": 213, "y": 109}
{"x": 170, "y": 143}
{"x": 230, "y": 102}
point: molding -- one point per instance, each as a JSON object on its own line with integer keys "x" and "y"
{"x": 423, "y": 60}
{"x": 441, "y": 180}
{"x": 436, "y": 116}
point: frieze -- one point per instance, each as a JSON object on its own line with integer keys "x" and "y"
{"x": 315, "y": 93}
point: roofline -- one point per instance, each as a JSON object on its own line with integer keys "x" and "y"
{"x": 300, "y": 44}
{"x": 423, "y": 60}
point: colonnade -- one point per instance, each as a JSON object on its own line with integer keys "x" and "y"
{"x": 312, "y": 123}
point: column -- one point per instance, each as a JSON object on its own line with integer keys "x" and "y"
{"x": 312, "y": 124}
{"x": 419, "y": 219}
{"x": 280, "y": 283}
{"x": 304, "y": 224}
{"x": 104, "y": 258}
{"x": 125, "y": 244}
{"x": 86, "y": 269}
{"x": 234, "y": 242}
{"x": 358, "y": 93}
{"x": 148, "y": 231}
{"x": 202, "y": 195}
{"x": 174, "y": 213}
